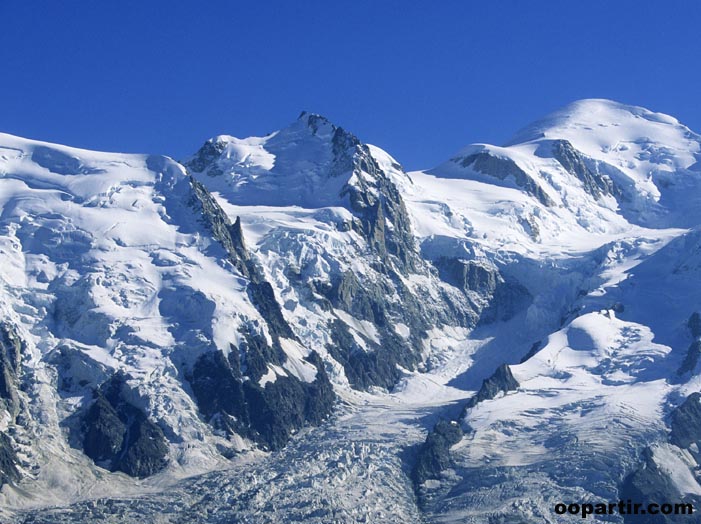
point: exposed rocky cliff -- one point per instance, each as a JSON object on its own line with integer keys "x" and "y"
{"x": 370, "y": 281}
{"x": 118, "y": 435}
{"x": 434, "y": 454}
{"x": 504, "y": 169}
{"x": 596, "y": 184}
{"x": 10, "y": 357}
{"x": 501, "y": 381}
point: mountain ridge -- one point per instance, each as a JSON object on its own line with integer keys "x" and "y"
{"x": 305, "y": 279}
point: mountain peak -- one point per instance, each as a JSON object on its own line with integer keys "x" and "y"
{"x": 308, "y": 117}
{"x": 590, "y": 114}
{"x": 317, "y": 124}
{"x": 304, "y": 163}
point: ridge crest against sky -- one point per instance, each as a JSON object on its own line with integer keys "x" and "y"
{"x": 420, "y": 80}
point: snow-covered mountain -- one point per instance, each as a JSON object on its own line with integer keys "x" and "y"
{"x": 267, "y": 331}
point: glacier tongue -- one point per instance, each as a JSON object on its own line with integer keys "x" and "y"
{"x": 271, "y": 284}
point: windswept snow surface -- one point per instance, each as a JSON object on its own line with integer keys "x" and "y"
{"x": 593, "y": 214}
{"x": 105, "y": 267}
{"x": 619, "y": 270}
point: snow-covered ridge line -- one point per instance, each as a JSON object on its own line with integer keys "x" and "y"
{"x": 166, "y": 320}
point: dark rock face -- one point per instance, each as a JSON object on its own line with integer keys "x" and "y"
{"x": 218, "y": 388}
{"x": 434, "y": 455}
{"x": 206, "y": 156}
{"x": 366, "y": 299}
{"x": 501, "y": 381}
{"x": 651, "y": 484}
{"x": 276, "y": 410}
{"x": 380, "y": 218}
{"x": 686, "y": 422}
{"x": 376, "y": 365}
{"x": 256, "y": 354}
{"x": 501, "y": 169}
{"x": 268, "y": 415}
{"x": 320, "y": 395}
{"x": 226, "y": 390}
{"x": 104, "y": 432}
{"x": 376, "y": 203}
{"x": 230, "y": 236}
{"x": 351, "y": 296}
{"x": 118, "y": 436}
{"x": 691, "y": 359}
{"x": 11, "y": 348}
{"x": 8, "y": 461}
{"x": 10, "y": 355}
{"x": 468, "y": 275}
{"x": 226, "y": 233}
{"x": 370, "y": 368}
{"x": 288, "y": 404}
{"x": 596, "y": 184}
{"x": 263, "y": 296}
{"x": 504, "y": 298}
{"x": 236, "y": 232}
{"x": 145, "y": 448}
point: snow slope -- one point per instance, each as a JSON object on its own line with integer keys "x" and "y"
{"x": 571, "y": 254}
{"x": 598, "y": 385}
{"x": 106, "y": 267}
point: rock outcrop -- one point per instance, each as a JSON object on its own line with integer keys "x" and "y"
{"x": 118, "y": 436}
{"x": 434, "y": 454}
{"x": 494, "y": 297}
{"x": 501, "y": 381}
{"x": 8, "y": 461}
{"x": 596, "y": 184}
{"x": 502, "y": 168}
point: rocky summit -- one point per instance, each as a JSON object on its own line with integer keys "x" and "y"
{"x": 292, "y": 328}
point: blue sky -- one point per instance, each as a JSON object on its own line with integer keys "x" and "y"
{"x": 420, "y": 79}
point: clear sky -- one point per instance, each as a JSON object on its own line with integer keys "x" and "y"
{"x": 420, "y": 79}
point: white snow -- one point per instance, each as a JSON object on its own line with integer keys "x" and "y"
{"x": 100, "y": 259}
{"x": 100, "y": 256}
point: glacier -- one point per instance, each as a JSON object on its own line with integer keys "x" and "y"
{"x": 293, "y": 328}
